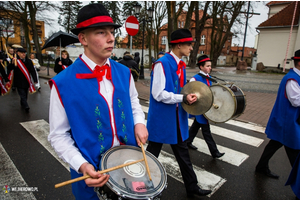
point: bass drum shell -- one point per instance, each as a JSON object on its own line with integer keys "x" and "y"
{"x": 230, "y": 101}
{"x": 132, "y": 182}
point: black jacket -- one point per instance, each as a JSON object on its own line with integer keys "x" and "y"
{"x": 58, "y": 68}
{"x": 137, "y": 58}
{"x": 129, "y": 62}
{"x": 19, "y": 79}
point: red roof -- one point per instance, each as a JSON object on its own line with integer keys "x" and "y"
{"x": 283, "y": 17}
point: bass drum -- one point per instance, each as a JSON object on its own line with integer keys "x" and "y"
{"x": 131, "y": 182}
{"x": 229, "y": 103}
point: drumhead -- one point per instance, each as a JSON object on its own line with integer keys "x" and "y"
{"x": 224, "y": 99}
{"x": 132, "y": 182}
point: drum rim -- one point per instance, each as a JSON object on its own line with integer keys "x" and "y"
{"x": 117, "y": 190}
{"x": 235, "y": 102}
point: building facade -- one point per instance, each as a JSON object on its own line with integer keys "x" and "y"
{"x": 12, "y": 32}
{"x": 273, "y": 39}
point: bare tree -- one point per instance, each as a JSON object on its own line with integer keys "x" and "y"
{"x": 68, "y": 14}
{"x": 173, "y": 15}
{"x": 25, "y": 12}
{"x": 159, "y": 14}
{"x": 7, "y": 29}
{"x": 224, "y": 15}
{"x": 199, "y": 27}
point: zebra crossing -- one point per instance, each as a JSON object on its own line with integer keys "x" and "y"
{"x": 39, "y": 129}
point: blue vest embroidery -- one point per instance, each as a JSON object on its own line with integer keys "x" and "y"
{"x": 88, "y": 112}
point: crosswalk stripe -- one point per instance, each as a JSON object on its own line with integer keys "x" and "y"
{"x": 249, "y": 126}
{"x": 9, "y": 175}
{"x": 233, "y": 135}
{"x": 206, "y": 179}
{"x": 40, "y": 130}
{"x": 231, "y": 156}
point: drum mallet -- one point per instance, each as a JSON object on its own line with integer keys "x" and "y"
{"x": 101, "y": 172}
{"x": 146, "y": 162}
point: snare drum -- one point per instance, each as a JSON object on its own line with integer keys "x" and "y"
{"x": 132, "y": 182}
{"x": 229, "y": 103}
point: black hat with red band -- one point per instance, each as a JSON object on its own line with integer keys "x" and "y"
{"x": 181, "y": 36}
{"x": 297, "y": 55}
{"x": 93, "y": 15}
{"x": 202, "y": 59}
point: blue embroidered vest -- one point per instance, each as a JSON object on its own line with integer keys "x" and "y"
{"x": 162, "y": 118}
{"x": 282, "y": 125}
{"x": 88, "y": 111}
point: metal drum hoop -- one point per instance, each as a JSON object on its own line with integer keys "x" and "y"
{"x": 126, "y": 195}
{"x": 237, "y": 112}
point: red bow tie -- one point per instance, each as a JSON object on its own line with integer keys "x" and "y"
{"x": 181, "y": 67}
{"x": 98, "y": 73}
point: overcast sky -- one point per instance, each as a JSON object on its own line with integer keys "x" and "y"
{"x": 253, "y": 22}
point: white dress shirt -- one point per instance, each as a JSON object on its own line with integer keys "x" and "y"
{"x": 60, "y": 137}
{"x": 293, "y": 90}
{"x": 159, "y": 84}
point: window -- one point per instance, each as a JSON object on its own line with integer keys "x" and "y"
{"x": 203, "y": 40}
{"x": 164, "y": 40}
{"x": 201, "y": 52}
{"x": 178, "y": 24}
{"x": 182, "y": 24}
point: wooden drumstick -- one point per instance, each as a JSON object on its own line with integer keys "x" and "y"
{"x": 146, "y": 162}
{"x": 215, "y": 106}
{"x": 101, "y": 172}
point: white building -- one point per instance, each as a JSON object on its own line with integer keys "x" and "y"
{"x": 274, "y": 34}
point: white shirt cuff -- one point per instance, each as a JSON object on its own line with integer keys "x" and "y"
{"x": 76, "y": 162}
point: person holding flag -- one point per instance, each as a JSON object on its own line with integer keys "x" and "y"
{"x": 22, "y": 79}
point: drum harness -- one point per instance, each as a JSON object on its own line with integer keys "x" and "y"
{"x": 233, "y": 88}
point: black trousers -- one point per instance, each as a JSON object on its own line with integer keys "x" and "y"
{"x": 23, "y": 93}
{"x": 182, "y": 155}
{"x": 270, "y": 149}
{"x": 205, "y": 128}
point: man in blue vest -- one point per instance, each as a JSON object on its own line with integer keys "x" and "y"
{"x": 94, "y": 104}
{"x": 283, "y": 128}
{"x": 204, "y": 64}
{"x": 167, "y": 121}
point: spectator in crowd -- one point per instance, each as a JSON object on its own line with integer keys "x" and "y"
{"x": 63, "y": 62}
{"x": 131, "y": 64}
{"x": 160, "y": 54}
{"x": 37, "y": 66}
{"x": 137, "y": 58}
{"x": 114, "y": 57}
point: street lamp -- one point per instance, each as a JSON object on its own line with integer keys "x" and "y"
{"x": 150, "y": 11}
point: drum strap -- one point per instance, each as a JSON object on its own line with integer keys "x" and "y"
{"x": 212, "y": 80}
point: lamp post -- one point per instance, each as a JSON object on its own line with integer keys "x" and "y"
{"x": 150, "y": 11}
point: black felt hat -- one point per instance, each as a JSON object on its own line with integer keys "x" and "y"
{"x": 22, "y": 50}
{"x": 181, "y": 36}
{"x": 93, "y": 15}
{"x": 297, "y": 55}
{"x": 203, "y": 58}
